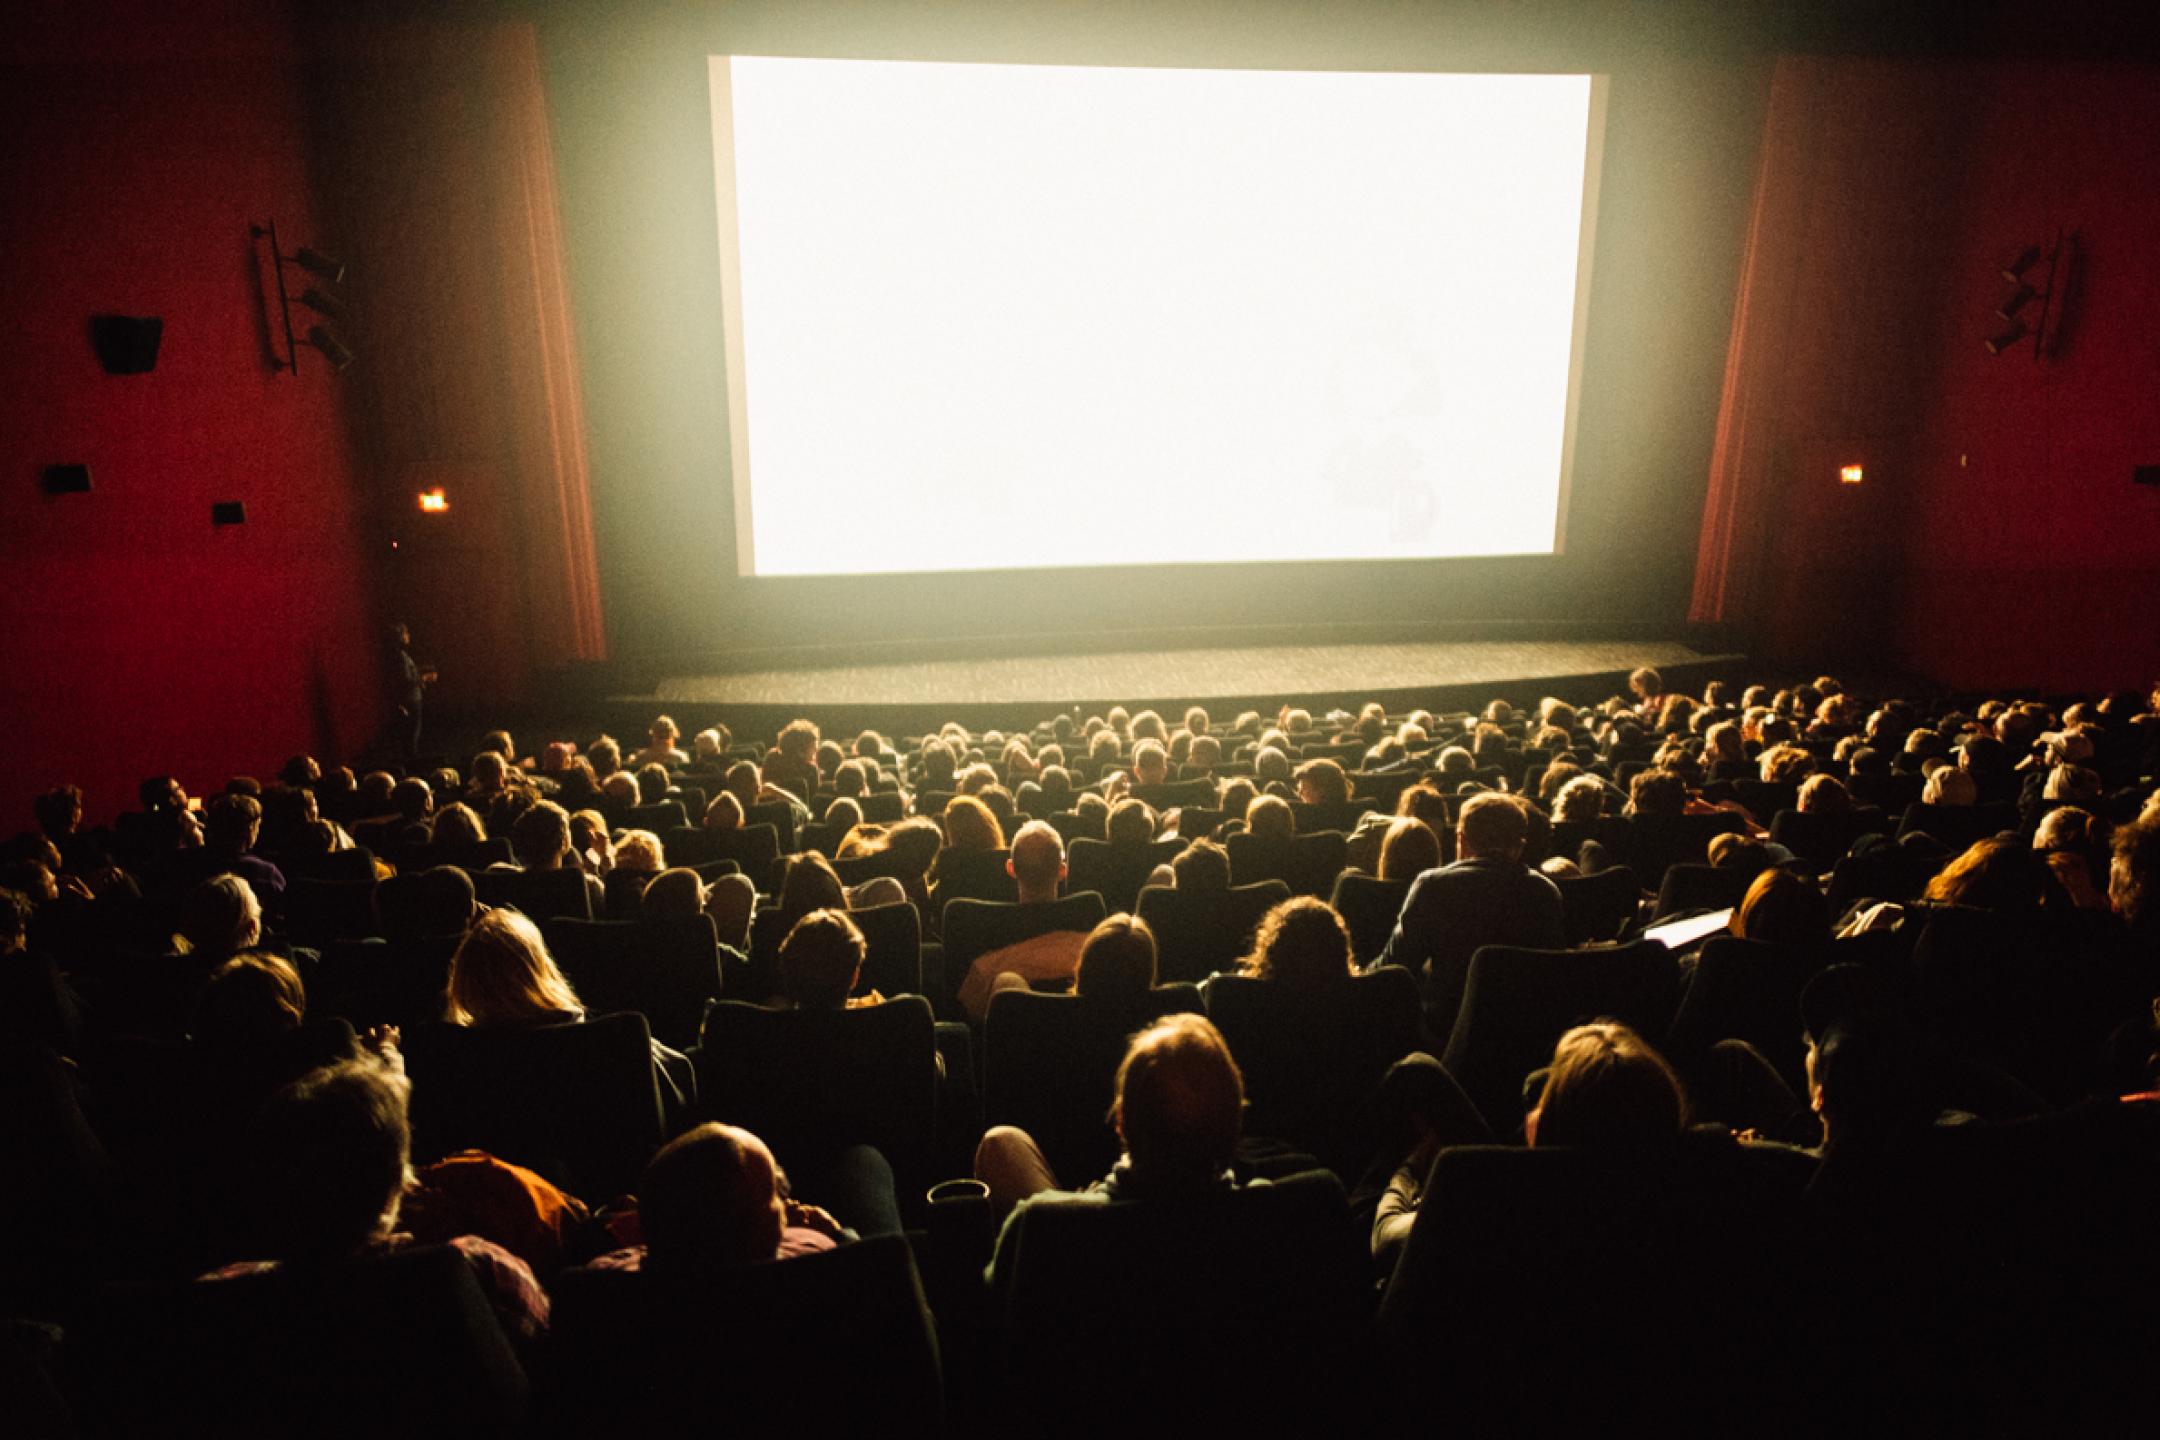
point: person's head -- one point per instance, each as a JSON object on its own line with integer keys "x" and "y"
{"x": 970, "y": 825}
{"x": 17, "y": 910}
{"x": 1580, "y": 799}
{"x": 663, "y": 733}
{"x": 621, "y": 787}
{"x": 1645, "y": 684}
{"x": 605, "y": 755}
{"x": 1150, "y": 763}
{"x": 1607, "y": 1089}
{"x": 2134, "y": 872}
{"x": 798, "y": 743}
{"x": 1997, "y": 874}
{"x": 821, "y": 960}
{"x": 58, "y": 811}
{"x": 1491, "y": 827}
{"x": 161, "y": 792}
{"x": 1037, "y": 864}
{"x": 652, "y": 783}
{"x": 541, "y": 836}
{"x": 711, "y": 1199}
{"x": 1132, "y": 822}
{"x": 459, "y": 824}
{"x": 1271, "y": 764}
{"x": 231, "y": 822}
{"x": 220, "y": 917}
{"x": 724, "y": 813}
{"x": 1117, "y": 960}
{"x": 2072, "y": 784}
{"x": 1204, "y": 754}
{"x": 251, "y": 998}
{"x": 1783, "y": 909}
{"x": 1322, "y": 782}
{"x": 1949, "y": 784}
{"x": 489, "y": 772}
{"x": 1180, "y": 1104}
{"x": 1303, "y": 943}
{"x": 1824, "y": 795}
{"x": 1785, "y": 764}
{"x": 1657, "y": 792}
{"x": 1269, "y": 817}
{"x": 1201, "y": 868}
{"x": 808, "y": 882}
{"x": 1408, "y": 849}
{"x": 676, "y": 892}
{"x": 640, "y": 851}
{"x": 502, "y": 974}
{"x": 329, "y": 1161}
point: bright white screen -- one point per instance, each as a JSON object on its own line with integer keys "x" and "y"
{"x": 993, "y": 316}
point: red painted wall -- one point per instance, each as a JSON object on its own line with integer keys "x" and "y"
{"x": 136, "y": 638}
{"x": 1998, "y": 539}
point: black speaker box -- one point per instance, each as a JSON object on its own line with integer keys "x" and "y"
{"x": 2146, "y": 475}
{"x": 228, "y": 512}
{"x": 126, "y": 344}
{"x": 67, "y": 479}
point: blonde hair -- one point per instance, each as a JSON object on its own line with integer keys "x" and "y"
{"x": 502, "y": 974}
{"x": 640, "y": 850}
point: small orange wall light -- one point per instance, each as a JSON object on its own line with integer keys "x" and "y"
{"x": 1847, "y": 475}
{"x": 435, "y": 501}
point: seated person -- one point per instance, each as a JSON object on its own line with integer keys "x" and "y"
{"x": 714, "y": 1199}
{"x": 540, "y": 839}
{"x": 728, "y": 901}
{"x": 1302, "y": 943}
{"x": 1178, "y": 1112}
{"x": 331, "y": 1162}
{"x": 1487, "y": 897}
{"x": 821, "y": 963}
{"x": 1117, "y": 960}
{"x": 1037, "y": 866}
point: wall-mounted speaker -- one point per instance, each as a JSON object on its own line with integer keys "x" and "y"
{"x": 228, "y": 512}
{"x": 2145, "y": 475}
{"x": 126, "y": 344}
{"x": 66, "y": 479}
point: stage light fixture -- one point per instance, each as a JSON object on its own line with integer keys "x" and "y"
{"x": 317, "y": 298}
{"x": 2014, "y": 272}
{"x": 1851, "y": 474}
{"x": 2017, "y": 331}
{"x": 2017, "y": 300}
{"x": 323, "y": 304}
{"x": 333, "y": 349}
{"x": 435, "y": 501}
{"x": 316, "y": 263}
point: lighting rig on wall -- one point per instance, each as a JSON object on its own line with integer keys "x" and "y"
{"x": 324, "y": 302}
{"x": 2015, "y": 306}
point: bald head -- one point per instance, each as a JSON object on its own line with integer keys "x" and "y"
{"x": 710, "y": 1200}
{"x": 1038, "y": 861}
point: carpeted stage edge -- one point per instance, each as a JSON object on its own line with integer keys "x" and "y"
{"x": 910, "y": 693}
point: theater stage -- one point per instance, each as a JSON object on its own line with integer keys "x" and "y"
{"x": 1008, "y": 690}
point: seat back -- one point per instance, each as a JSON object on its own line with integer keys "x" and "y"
{"x": 1595, "y": 908}
{"x": 539, "y": 894}
{"x": 972, "y": 875}
{"x": 1049, "y": 1062}
{"x": 1116, "y": 872}
{"x": 1370, "y": 906}
{"x": 1656, "y": 842}
{"x": 579, "y": 1102}
{"x": 1518, "y": 1003}
{"x": 1312, "y": 1061}
{"x": 402, "y": 982}
{"x": 402, "y": 1344}
{"x": 665, "y": 968}
{"x": 1661, "y": 1289}
{"x": 810, "y": 1081}
{"x": 892, "y": 964}
{"x": 658, "y": 817}
{"x": 1308, "y": 864}
{"x": 1702, "y": 887}
{"x": 973, "y": 928}
{"x": 1958, "y": 827}
{"x": 1197, "y": 935}
{"x": 778, "y": 814}
{"x": 1745, "y": 990}
{"x": 319, "y": 911}
{"x": 640, "y": 1354}
{"x": 1261, "y": 1291}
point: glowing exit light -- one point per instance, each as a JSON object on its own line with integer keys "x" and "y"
{"x": 1847, "y": 475}
{"x": 435, "y": 502}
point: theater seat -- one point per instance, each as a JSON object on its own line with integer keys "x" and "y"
{"x": 1197, "y": 935}
{"x": 827, "y": 1344}
{"x": 1116, "y": 872}
{"x": 666, "y": 969}
{"x": 405, "y": 1344}
{"x": 1252, "y": 1304}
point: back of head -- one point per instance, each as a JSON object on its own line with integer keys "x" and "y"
{"x": 1608, "y": 1090}
{"x": 436, "y": 901}
{"x": 821, "y": 959}
{"x": 1270, "y": 817}
{"x": 230, "y": 821}
{"x": 1201, "y": 868}
{"x": 1408, "y": 850}
{"x": 1323, "y": 782}
{"x": 330, "y": 1156}
{"x": 1132, "y": 822}
{"x": 710, "y": 1200}
{"x": 674, "y": 892}
{"x": 2134, "y": 873}
{"x": 1491, "y": 827}
{"x": 1999, "y": 874}
{"x": 502, "y": 974}
{"x": 1302, "y": 943}
{"x": 220, "y": 916}
{"x": 1180, "y": 1103}
{"x": 1117, "y": 961}
{"x": 1038, "y": 858}
{"x": 641, "y": 851}
{"x": 808, "y": 882}
{"x": 970, "y": 825}
{"x": 1657, "y": 792}
{"x": 541, "y": 835}
{"x": 251, "y": 998}
{"x": 1781, "y": 908}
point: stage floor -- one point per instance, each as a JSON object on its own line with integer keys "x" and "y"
{"x": 1425, "y": 672}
